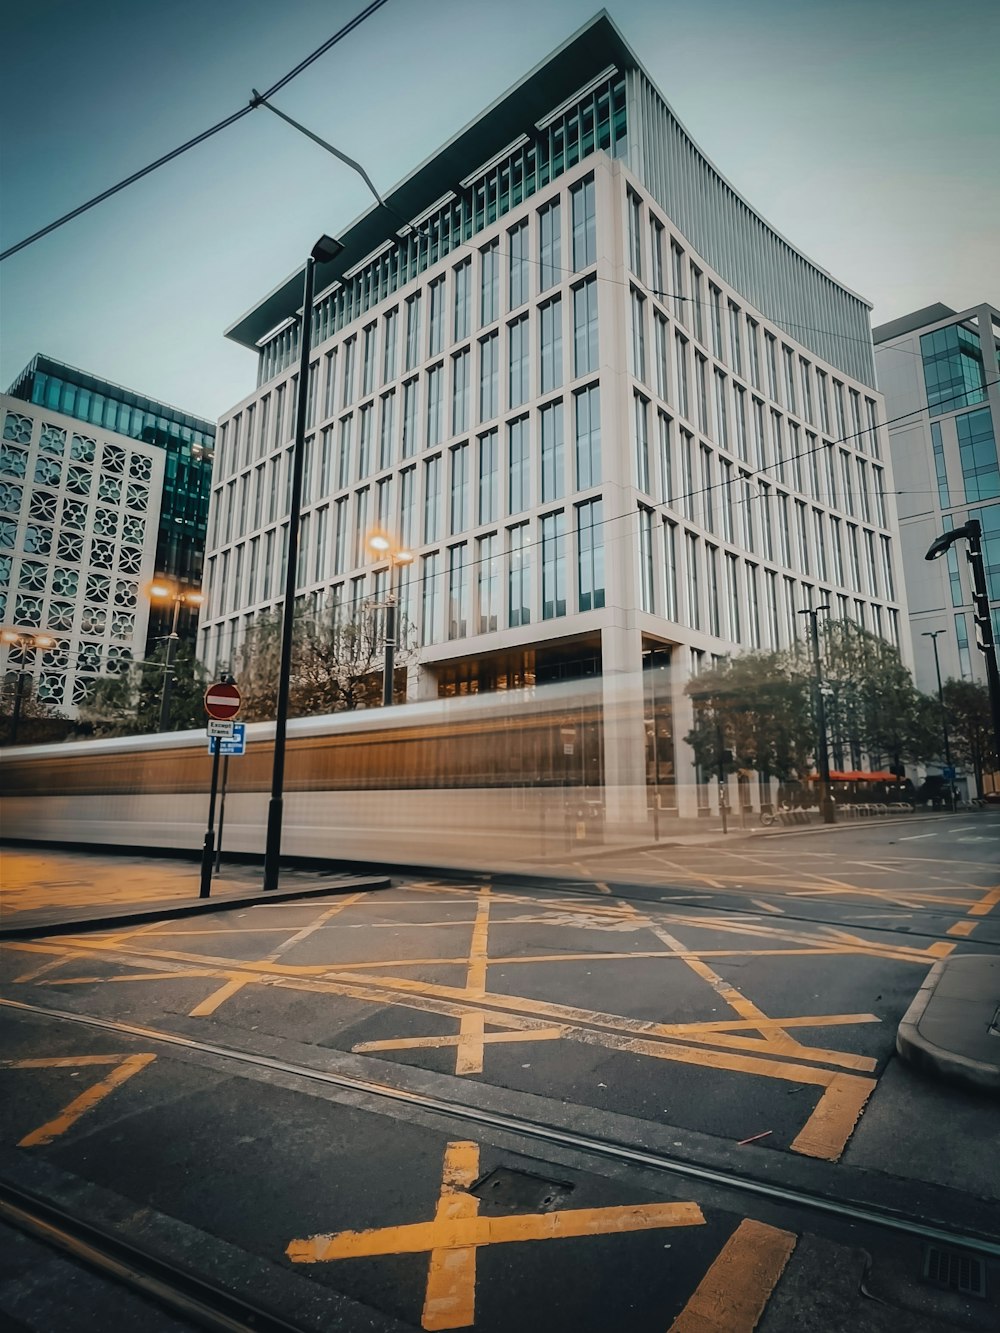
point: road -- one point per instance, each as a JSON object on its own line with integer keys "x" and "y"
{"x": 650, "y": 1092}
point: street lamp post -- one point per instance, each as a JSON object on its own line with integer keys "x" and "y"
{"x": 972, "y": 532}
{"x": 932, "y": 634}
{"x": 397, "y": 559}
{"x": 822, "y": 751}
{"x": 179, "y": 597}
{"x": 25, "y": 641}
{"x": 325, "y": 249}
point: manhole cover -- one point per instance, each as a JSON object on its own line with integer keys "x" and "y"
{"x": 955, "y": 1270}
{"x": 509, "y": 1191}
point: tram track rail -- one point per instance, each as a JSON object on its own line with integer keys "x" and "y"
{"x": 607, "y": 1149}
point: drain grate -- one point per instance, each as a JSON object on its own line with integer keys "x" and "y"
{"x": 955, "y": 1270}
{"x": 508, "y": 1190}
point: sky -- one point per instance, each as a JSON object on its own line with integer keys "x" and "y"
{"x": 866, "y": 131}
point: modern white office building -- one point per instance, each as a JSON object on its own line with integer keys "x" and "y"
{"x": 623, "y": 425}
{"x": 939, "y": 370}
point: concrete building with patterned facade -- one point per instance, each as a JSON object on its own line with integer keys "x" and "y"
{"x": 101, "y": 490}
{"x": 622, "y": 424}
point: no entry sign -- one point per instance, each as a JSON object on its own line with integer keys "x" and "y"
{"x": 222, "y": 701}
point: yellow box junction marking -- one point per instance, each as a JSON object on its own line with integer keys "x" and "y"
{"x": 457, "y": 1231}
{"x": 983, "y": 907}
{"x": 469, "y": 1057}
{"x": 125, "y": 1067}
{"x": 732, "y": 1295}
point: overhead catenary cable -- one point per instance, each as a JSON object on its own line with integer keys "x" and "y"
{"x": 338, "y": 36}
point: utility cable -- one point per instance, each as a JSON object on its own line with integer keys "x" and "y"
{"x": 198, "y": 138}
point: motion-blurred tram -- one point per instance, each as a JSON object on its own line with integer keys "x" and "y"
{"x": 490, "y": 779}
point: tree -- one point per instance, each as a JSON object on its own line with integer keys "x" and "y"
{"x": 970, "y": 726}
{"x": 39, "y": 723}
{"x": 336, "y": 665}
{"x": 129, "y": 704}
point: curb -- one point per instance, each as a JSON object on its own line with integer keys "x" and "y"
{"x": 167, "y": 909}
{"x": 930, "y": 1058}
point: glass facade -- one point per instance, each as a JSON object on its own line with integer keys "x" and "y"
{"x": 978, "y": 452}
{"x": 953, "y": 369}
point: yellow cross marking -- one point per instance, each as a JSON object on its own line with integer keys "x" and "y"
{"x": 125, "y": 1067}
{"x": 457, "y": 1231}
{"x": 469, "y": 1057}
{"x": 732, "y": 1295}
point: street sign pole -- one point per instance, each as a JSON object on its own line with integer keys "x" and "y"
{"x": 208, "y": 851}
{"x": 222, "y": 811}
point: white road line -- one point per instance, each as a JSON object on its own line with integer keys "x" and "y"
{"x": 912, "y": 837}
{"x": 768, "y": 907}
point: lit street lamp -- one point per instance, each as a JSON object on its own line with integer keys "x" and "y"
{"x": 325, "y": 250}
{"x": 380, "y": 543}
{"x": 826, "y": 806}
{"x": 25, "y": 641}
{"x": 161, "y": 592}
{"x": 972, "y": 533}
{"x": 932, "y": 634}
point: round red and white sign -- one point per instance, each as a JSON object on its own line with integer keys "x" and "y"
{"x": 222, "y": 701}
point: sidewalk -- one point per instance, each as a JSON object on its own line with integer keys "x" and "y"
{"x": 49, "y": 891}
{"x": 952, "y": 1028}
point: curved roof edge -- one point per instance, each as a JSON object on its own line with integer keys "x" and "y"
{"x": 589, "y": 51}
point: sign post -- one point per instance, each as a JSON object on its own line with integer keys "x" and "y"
{"x": 222, "y": 703}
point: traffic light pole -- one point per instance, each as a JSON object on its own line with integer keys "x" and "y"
{"x": 984, "y": 623}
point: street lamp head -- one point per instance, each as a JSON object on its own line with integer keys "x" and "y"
{"x": 403, "y": 558}
{"x": 378, "y": 541}
{"x": 44, "y": 641}
{"x": 160, "y": 590}
{"x": 10, "y": 636}
{"x": 941, "y": 544}
{"x": 931, "y": 633}
{"x": 194, "y": 598}
{"x": 326, "y": 249}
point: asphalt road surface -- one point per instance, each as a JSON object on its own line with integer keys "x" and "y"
{"x": 657, "y": 1092}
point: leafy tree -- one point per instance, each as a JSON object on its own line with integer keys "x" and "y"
{"x": 39, "y": 723}
{"x": 970, "y": 726}
{"x": 129, "y": 704}
{"x": 757, "y": 707}
{"x": 337, "y": 666}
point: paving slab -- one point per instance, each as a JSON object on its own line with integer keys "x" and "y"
{"x": 952, "y": 1028}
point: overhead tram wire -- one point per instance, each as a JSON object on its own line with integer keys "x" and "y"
{"x": 338, "y": 36}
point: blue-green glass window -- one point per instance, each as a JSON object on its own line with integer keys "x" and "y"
{"x": 552, "y": 451}
{"x": 517, "y": 466}
{"x": 978, "y": 451}
{"x": 549, "y": 246}
{"x": 553, "y": 565}
{"x": 584, "y": 224}
{"x": 588, "y": 437}
{"x": 519, "y": 575}
{"x": 990, "y": 521}
{"x": 953, "y": 369}
{"x": 519, "y": 287}
{"x": 962, "y": 635}
{"x": 590, "y": 543}
{"x": 940, "y": 469}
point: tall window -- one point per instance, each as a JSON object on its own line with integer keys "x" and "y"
{"x": 733, "y": 598}
{"x": 348, "y": 356}
{"x": 407, "y": 506}
{"x": 413, "y": 356}
{"x": 670, "y": 565}
{"x": 435, "y": 404}
{"x": 432, "y": 499}
{"x": 490, "y": 289}
{"x": 635, "y": 234}
{"x": 587, "y": 408}
{"x": 518, "y": 575}
{"x": 807, "y": 399}
{"x": 460, "y": 364}
{"x": 940, "y": 470}
{"x": 430, "y": 628}
{"x": 458, "y": 591}
{"x": 721, "y": 415}
{"x": 582, "y": 197}
{"x": 658, "y": 281}
{"x": 344, "y": 461}
{"x": 590, "y": 544}
{"x": 742, "y": 442}
{"x": 390, "y": 334}
{"x": 387, "y": 433}
{"x": 459, "y": 488}
{"x": 640, "y": 440}
{"x": 772, "y": 367}
{"x": 368, "y": 359}
{"x": 681, "y": 359}
{"x": 585, "y": 329}
{"x": 463, "y": 290}
{"x": 753, "y": 343}
{"x": 693, "y": 581}
{"x": 677, "y": 257}
{"x": 753, "y": 605}
{"x": 646, "y": 598}
{"x": 735, "y": 340}
{"x": 520, "y": 287}
{"x": 489, "y": 490}
{"x": 954, "y": 375}
{"x": 488, "y": 574}
{"x": 550, "y": 334}
{"x": 365, "y": 441}
{"x": 410, "y": 406}
{"x": 714, "y": 614}
{"x": 329, "y": 395}
{"x": 660, "y": 340}
{"x": 489, "y": 376}
{"x": 553, "y": 452}
{"x": 709, "y": 493}
{"x": 789, "y": 360}
{"x": 638, "y": 343}
{"x": 520, "y": 363}
{"x": 718, "y": 346}
{"x": 436, "y": 318}
{"x": 518, "y": 480}
{"x": 553, "y": 565}
{"x": 361, "y": 524}
{"x": 667, "y": 494}
{"x": 549, "y": 246}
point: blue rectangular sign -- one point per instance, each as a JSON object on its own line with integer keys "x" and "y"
{"x": 235, "y": 744}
